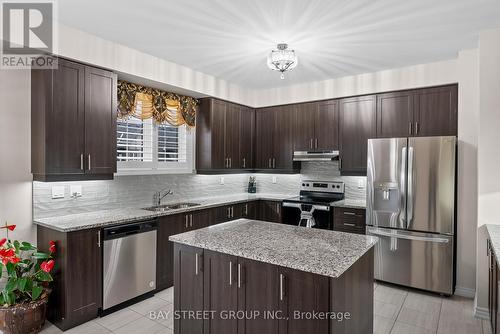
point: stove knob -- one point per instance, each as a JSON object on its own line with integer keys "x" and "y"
{"x": 303, "y": 184}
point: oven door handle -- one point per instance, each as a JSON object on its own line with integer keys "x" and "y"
{"x": 291, "y": 205}
{"x": 321, "y": 207}
{"x": 299, "y": 206}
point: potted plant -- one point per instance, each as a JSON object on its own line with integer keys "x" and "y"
{"x": 25, "y": 277}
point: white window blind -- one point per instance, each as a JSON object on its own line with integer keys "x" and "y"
{"x": 134, "y": 140}
{"x": 144, "y": 147}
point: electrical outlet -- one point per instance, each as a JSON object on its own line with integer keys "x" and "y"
{"x": 274, "y": 179}
{"x": 222, "y": 180}
{"x": 57, "y": 192}
{"x": 75, "y": 191}
{"x": 361, "y": 184}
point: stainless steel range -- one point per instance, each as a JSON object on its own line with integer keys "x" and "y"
{"x": 312, "y": 208}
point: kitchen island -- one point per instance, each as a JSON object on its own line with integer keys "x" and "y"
{"x": 248, "y": 276}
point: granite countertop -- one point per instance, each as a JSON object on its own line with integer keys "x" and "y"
{"x": 87, "y": 220}
{"x": 350, "y": 203}
{"x": 494, "y": 234}
{"x": 323, "y": 252}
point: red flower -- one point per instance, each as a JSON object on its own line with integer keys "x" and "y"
{"x": 52, "y": 247}
{"x": 2, "y": 241}
{"x": 10, "y": 227}
{"x": 47, "y": 266}
{"x": 8, "y": 255}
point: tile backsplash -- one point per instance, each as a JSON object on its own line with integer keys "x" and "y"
{"x": 137, "y": 191}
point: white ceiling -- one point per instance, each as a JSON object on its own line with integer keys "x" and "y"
{"x": 230, "y": 39}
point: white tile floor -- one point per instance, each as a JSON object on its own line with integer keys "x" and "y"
{"x": 397, "y": 311}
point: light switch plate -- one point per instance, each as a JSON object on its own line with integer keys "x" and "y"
{"x": 57, "y": 192}
{"x": 75, "y": 191}
{"x": 274, "y": 179}
{"x": 222, "y": 180}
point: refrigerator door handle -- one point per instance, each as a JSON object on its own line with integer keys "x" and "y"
{"x": 409, "y": 205}
{"x": 403, "y": 173}
{"x": 383, "y": 233}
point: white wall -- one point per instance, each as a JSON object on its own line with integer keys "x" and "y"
{"x": 431, "y": 74}
{"x": 488, "y": 152}
{"x": 15, "y": 145}
{"x": 468, "y": 111}
{"x": 82, "y": 46}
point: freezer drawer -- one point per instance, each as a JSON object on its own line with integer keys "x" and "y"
{"x": 414, "y": 259}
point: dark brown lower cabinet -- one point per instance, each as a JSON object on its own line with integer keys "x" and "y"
{"x": 270, "y": 211}
{"x": 221, "y": 281}
{"x": 242, "y": 296}
{"x": 247, "y": 210}
{"x": 349, "y": 220}
{"x": 300, "y": 294}
{"x": 188, "y": 292}
{"x": 77, "y": 288}
{"x": 171, "y": 225}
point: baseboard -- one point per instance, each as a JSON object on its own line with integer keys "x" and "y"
{"x": 482, "y": 313}
{"x": 465, "y": 292}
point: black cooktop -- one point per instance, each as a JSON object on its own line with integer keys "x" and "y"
{"x": 315, "y": 198}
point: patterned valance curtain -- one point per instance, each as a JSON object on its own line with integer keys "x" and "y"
{"x": 164, "y": 107}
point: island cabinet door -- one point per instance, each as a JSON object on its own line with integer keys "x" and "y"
{"x": 188, "y": 292}
{"x": 220, "y": 293}
{"x": 258, "y": 297}
{"x": 300, "y": 295}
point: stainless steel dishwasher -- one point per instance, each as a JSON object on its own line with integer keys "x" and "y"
{"x": 129, "y": 262}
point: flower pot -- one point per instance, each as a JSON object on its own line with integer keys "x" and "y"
{"x": 27, "y": 318}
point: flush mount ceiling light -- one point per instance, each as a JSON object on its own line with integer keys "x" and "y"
{"x": 282, "y": 59}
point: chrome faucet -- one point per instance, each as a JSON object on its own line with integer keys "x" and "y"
{"x": 159, "y": 195}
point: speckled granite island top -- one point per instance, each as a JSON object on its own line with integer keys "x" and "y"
{"x": 350, "y": 203}
{"x": 322, "y": 252}
{"x": 494, "y": 234}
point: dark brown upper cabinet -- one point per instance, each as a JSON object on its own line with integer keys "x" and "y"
{"x": 316, "y": 126}
{"x": 421, "y": 112}
{"x": 274, "y": 138}
{"x": 435, "y": 111}
{"x": 224, "y": 137}
{"x": 357, "y": 117}
{"x": 395, "y": 114}
{"x": 73, "y": 123}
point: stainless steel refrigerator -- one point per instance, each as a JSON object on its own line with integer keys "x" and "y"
{"x": 411, "y": 209}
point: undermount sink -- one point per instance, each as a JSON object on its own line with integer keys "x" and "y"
{"x": 167, "y": 207}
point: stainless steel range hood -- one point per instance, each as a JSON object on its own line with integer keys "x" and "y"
{"x": 315, "y": 155}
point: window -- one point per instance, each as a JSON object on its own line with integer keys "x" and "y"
{"x": 144, "y": 147}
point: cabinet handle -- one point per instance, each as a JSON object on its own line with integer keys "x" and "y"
{"x": 232, "y": 212}
{"x": 416, "y": 128}
{"x": 316, "y": 143}
{"x": 196, "y": 264}
{"x": 230, "y": 162}
{"x": 191, "y": 220}
{"x": 410, "y": 128}
{"x": 340, "y": 163}
{"x": 311, "y": 143}
{"x": 269, "y": 163}
{"x": 239, "y": 275}
{"x": 99, "y": 239}
{"x": 230, "y": 273}
{"x": 81, "y": 161}
{"x": 281, "y": 286}
{"x": 246, "y": 209}
{"x": 278, "y": 208}
{"x": 349, "y": 213}
{"x": 349, "y": 224}
{"x": 89, "y": 163}
{"x": 274, "y": 163}
{"x": 244, "y": 163}
{"x": 187, "y": 223}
